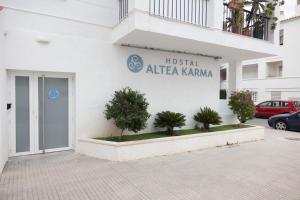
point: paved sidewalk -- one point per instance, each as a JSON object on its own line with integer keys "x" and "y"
{"x": 264, "y": 170}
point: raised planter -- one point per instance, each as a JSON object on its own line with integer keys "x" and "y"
{"x": 122, "y": 151}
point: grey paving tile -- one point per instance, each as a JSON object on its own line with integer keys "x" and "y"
{"x": 268, "y": 169}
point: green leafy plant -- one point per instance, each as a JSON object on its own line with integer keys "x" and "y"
{"x": 242, "y": 105}
{"x": 207, "y": 116}
{"x": 262, "y": 8}
{"x": 128, "y": 109}
{"x": 169, "y": 120}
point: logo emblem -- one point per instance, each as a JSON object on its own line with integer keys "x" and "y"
{"x": 135, "y": 63}
{"x": 53, "y": 94}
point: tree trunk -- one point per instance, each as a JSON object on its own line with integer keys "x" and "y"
{"x": 206, "y": 126}
{"x": 121, "y": 135}
{"x": 171, "y": 131}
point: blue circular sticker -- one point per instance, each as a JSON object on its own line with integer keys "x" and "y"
{"x": 135, "y": 63}
{"x": 53, "y": 94}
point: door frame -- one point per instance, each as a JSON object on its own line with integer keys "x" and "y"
{"x": 34, "y": 110}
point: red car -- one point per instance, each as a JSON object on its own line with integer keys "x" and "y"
{"x": 276, "y": 107}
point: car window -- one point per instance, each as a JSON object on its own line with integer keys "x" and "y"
{"x": 297, "y": 103}
{"x": 266, "y": 104}
{"x": 284, "y": 104}
{"x": 276, "y": 104}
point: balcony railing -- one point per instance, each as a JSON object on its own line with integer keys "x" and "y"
{"x": 235, "y": 20}
{"x": 188, "y": 11}
{"x": 123, "y": 9}
{"x": 245, "y": 22}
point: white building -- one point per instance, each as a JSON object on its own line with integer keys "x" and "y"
{"x": 61, "y": 61}
{"x": 276, "y": 77}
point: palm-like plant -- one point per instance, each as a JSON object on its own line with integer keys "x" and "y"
{"x": 169, "y": 120}
{"x": 260, "y": 8}
{"x": 257, "y": 8}
{"x": 207, "y": 116}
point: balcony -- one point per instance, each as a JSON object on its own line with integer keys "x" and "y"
{"x": 274, "y": 69}
{"x": 245, "y": 22}
{"x": 198, "y": 27}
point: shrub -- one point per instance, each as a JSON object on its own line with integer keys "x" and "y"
{"x": 169, "y": 120}
{"x": 207, "y": 116}
{"x": 242, "y": 105}
{"x": 128, "y": 109}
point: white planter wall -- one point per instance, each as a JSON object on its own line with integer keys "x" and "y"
{"x": 164, "y": 146}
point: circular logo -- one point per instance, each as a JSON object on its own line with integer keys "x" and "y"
{"x": 135, "y": 63}
{"x": 53, "y": 94}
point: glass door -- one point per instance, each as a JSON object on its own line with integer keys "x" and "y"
{"x": 53, "y": 97}
{"x": 40, "y": 113}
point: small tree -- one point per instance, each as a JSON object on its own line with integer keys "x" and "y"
{"x": 242, "y": 105}
{"x": 128, "y": 109}
{"x": 207, "y": 116}
{"x": 169, "y": 120}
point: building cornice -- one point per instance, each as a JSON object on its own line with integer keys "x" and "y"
{"x": 290, "y": 18}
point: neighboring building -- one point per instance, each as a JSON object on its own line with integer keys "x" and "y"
{"x": 275, "y": 77}
{"x": 61, "y": 61}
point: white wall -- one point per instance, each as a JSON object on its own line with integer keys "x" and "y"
{"x": 3, "y": 120}
{"x": 100, "y": 12}
{"x": 289, "y": 8}
{"x": 100, "y": 69}
{"x": 291, "y": 47}
{"x": 263, "y": 85}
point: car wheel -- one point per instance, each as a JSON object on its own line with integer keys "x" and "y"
{"x": 281, "y": 125}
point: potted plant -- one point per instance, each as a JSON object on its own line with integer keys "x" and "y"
{"x": 236, "y": 4}
{"x": 235, "y": 22}
{"x": 246, "y": 31}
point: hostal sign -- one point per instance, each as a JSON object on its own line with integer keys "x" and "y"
{"x": 171, "y": 66}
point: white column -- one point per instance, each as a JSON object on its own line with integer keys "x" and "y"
{"x": 234, "y": 74}
{"x": 142, "y": 5}
{"x": 215, "y": 14}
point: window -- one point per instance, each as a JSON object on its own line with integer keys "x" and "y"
{"x": 284, "y": 104}
{"x": 250, "y": 71}
{"x": 254, "y": 96}
{"x": 223, "y": 94}
{"x": 281, "y": 36}
{"x": 266, "y": 104}
{"x": 276, "y": 104}
{"x": 297, "y": 103}
{"x": 275, "y": 95}
{"x": 223, "y": 74}
{"x": 274, "y": 69}
{"x": 280, "y": 104}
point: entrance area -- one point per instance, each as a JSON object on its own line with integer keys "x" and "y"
{"x": 40, "y": 112}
